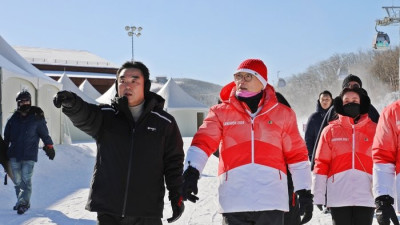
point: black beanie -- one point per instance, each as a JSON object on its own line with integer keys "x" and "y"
{"x": 349, "y": 78}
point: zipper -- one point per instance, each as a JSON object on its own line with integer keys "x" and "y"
{"x": 252, "y": 140}
{"x": 128, "y": 177}
{"x": 353, "y": 146}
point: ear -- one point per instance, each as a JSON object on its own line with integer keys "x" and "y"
{"x": 147, "y": 85}
{"x": 338, "y": 105}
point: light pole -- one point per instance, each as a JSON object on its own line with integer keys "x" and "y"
{"x": 393, "y": 17}
{"x": 132, "y": 32}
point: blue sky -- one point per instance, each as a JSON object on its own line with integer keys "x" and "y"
{"x": 200, "y": 39}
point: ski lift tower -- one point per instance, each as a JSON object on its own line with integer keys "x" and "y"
{"x": 392, "y": 18}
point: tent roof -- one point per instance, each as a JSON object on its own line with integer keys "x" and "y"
{"x": 88, "y": 89}
{"x": 63, "y": 57}
{"x": 38, "y": 77}
{"x": 68, "y": 85}
{"x": 176, "y": 98}
{"x": 108, "y": 95}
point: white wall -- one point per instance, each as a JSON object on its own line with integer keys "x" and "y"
{"x": 186, "y": 120}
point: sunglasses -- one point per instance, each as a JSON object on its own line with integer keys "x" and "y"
{"x": 355, "y": 85}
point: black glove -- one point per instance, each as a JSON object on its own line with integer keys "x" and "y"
{"x": 50, "y": 152}
{"x": 190, "y": 177}
{"x": 306, "y": 204}
{"x": 320, "y": 207}
{"x": 177, "y": 209}
{"x": 385, "y": 211}
{"x": 64, "y": 98}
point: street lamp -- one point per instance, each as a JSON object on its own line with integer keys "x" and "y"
{"x": 382, "y": 39}
{"x": 133, "y": 32}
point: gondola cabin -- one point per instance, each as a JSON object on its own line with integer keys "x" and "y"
{"x": 382, "y": 41}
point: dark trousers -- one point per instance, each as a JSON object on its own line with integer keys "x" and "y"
{"x": 273, "y": 217}
{"x": 108, "y": 219}
{"x": 352, "y": 215}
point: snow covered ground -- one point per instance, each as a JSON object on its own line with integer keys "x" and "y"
{"x": 60, "y": 191}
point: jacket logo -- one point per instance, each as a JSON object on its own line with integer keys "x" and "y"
{"x": 230, "y": 123}
{"x": 340, "y": 139}
{"x": 151, "y": 128}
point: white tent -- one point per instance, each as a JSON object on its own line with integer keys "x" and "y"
{"x": 17, "y": 74}
{"x": 69, "y": 129}
{"x": 108, "y": 95}
{"x": 188, "y": 112}
{"x": 89, "y": 90}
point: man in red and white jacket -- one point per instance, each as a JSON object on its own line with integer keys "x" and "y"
{"x": 386, "y": 158}
{"x": 257, "y": 137}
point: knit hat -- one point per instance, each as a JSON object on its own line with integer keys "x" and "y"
{"x": 350, "y": 78}
{"x": 256, "y": 67}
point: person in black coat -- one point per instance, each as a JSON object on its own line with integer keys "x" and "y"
{"x": 351, "y": 81}
{"x": 22, "y": 133}
{"x": 139, "y": 148}
{"x": 315, "y": 120}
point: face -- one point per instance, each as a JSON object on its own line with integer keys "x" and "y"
{"x": 247, "y": 82}
{"x": 351, "y": 97}
{"x": 131, "y": 85}
{"x": 353, "y": 84}
{"x": 325, "y": 101}
{"x": 24, "y": 102}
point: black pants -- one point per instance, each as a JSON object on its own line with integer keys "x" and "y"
{"x": 108, "y": 219}
{"x": 352, "y": 215}
{"x": 293, "y": 216}
{"x": 273, "y": 217}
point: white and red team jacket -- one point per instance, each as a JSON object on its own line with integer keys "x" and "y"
{"x": 385, "y": 153}
{"x": 254, "y": 151}
{"x": 343, "y": 164}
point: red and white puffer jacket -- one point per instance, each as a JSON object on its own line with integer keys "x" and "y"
{"x": 343, "y": 163}
{"x": 385, "y": 153}
{"x": 254, "y": 152}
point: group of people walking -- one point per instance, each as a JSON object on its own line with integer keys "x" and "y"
{"x": 261, "y": 153}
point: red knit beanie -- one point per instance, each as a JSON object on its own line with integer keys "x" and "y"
{"x": 256, "y": 67}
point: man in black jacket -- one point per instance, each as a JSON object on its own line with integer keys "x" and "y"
{"x": 139, "y": 147}
{"x": 324, "y": 102}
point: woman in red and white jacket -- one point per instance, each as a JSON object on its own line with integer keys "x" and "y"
{"x": 342, "y": 176}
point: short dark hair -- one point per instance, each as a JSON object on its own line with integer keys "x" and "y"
{"x": 326, "y": 92}
{"x": 135, "y": 65}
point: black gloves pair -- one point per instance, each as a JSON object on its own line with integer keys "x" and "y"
{"x": 385, "y": 211}
{"x": 50, "y": 152}
{"x": 177, "y": 208}
{"x": 190, "y": 177}
{"x": 65, "y": 99}
{"x": 306, "y": 204}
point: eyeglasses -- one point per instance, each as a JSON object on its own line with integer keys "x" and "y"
{"x": 355, "y": 85}
{"x": 246, "y": 77}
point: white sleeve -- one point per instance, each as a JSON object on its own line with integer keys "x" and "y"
{"x": 196, "y": 157}
{"x": 318, "y": 188}
{"x": 301, "y": 175}
{"x": 383, "y": 179}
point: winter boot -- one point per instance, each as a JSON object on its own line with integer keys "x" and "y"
{"x": 22, "y": 209}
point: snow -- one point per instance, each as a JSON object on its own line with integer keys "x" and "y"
{"x": 61, "y": 188}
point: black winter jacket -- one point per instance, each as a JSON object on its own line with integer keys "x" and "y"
{"x": 23, "y": 133}
{"x": 133, "y": 159}
{"x": 313, "y": 124}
